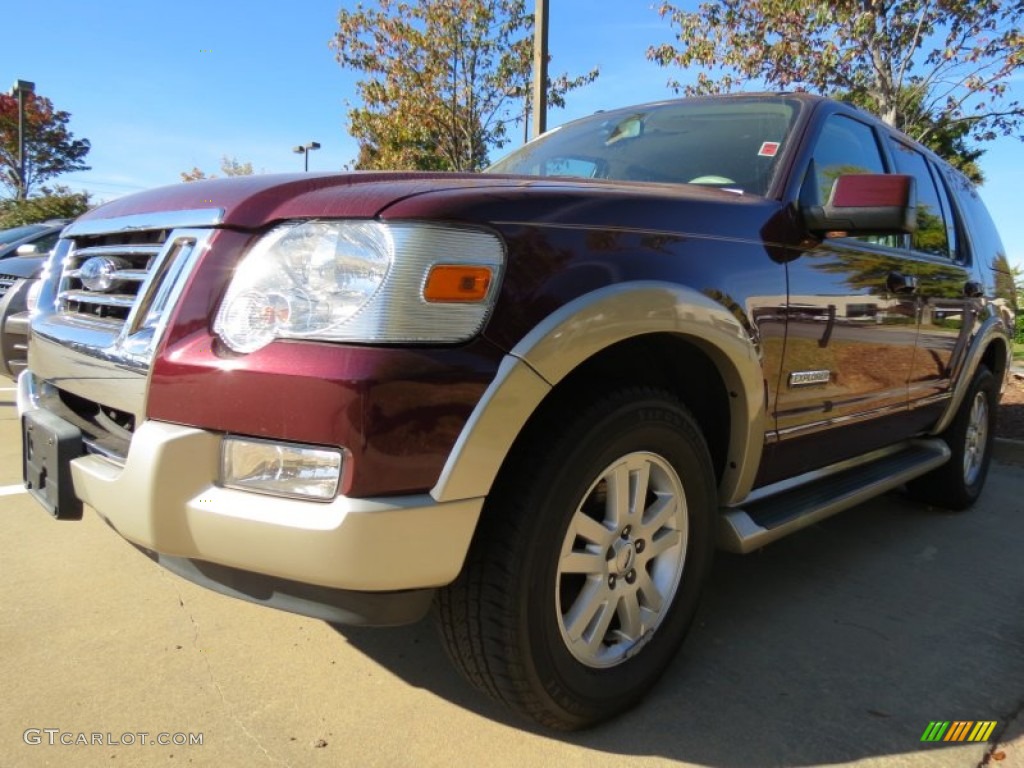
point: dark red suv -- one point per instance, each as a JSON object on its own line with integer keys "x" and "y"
{"x": 535, "y": 398}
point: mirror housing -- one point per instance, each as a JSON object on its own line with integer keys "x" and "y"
{"x": 866, "y": 204}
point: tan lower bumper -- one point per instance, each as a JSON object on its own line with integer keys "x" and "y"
{"x": 165, "y": 499}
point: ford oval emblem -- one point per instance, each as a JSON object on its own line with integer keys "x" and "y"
{"x": 97, "y": 274}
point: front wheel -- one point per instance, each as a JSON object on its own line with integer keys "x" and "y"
{"x": 957, "y": 484}
{"x": 584, "y": 577}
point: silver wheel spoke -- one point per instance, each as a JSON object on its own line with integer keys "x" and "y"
{"x": 660, "y": 512}
{"x": 617, "y": 511}
{"x": 651, "y": 596}
{"x": 586, "y": 527}
{"x": 617, "y": 577}
{"x": 640, "y": 480}
{"x": 594, "y": 639}
{"x": 582, "y": 562}
{"x": 588, "y": 621}
{"x": 975, "y": 438}
{"x": 631, "y": 624}
{"x": 665, "y": 541}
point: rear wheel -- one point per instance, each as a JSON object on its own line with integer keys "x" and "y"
{"x": 958, "y": 483}
{"x": 584, "y": 577}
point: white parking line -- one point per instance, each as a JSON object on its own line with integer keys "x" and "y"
{"x": 8, "y": 389}
{"x": 11, "y": 490}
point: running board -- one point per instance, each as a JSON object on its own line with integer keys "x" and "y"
{"x": 764, "y": 518}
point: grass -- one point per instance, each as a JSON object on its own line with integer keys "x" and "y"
{"x": 1018, "y": 351}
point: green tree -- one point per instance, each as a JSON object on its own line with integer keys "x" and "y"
{"x": 948, "y": 139}
{"x": 57, "y": 203}
{"x": 441, "y": 80}
{"x": 229, "y": 166}
{"x": 936, "y": 70}
{"x": 50, "y": 148}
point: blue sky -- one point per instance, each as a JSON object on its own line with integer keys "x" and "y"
{"x": 161, "y": 87}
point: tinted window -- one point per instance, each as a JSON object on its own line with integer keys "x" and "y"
{"x": 845, "y": 146}
{"x": 931, "y": 235}
{"x": 985, "y": 243}
{"x": 731, "y": 143}
{"x": 948, "y": 212}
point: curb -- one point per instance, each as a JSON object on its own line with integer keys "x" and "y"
{"x": 1009, "y": 751}
{"x": 1009, "y": 451}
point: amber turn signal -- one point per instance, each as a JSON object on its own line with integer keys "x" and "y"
{"x": 453, "y": 282}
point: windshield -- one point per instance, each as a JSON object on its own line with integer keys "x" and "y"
{"x": 732, "y": 143}
{"x": 11, "y": 235}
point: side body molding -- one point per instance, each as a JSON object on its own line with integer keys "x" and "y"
{"x": 579, "y": 330}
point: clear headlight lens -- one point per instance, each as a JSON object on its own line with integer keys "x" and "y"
{"x": 282, "y": 469}
{"x": 359, "y": 281}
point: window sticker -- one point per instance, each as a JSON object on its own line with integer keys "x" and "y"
{"x": 769, "y": 149}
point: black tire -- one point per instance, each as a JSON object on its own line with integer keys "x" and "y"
{"x": 958, "y": 483}
{"x": 508, "y": 621}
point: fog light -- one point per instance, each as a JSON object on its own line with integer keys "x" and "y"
{"x": 282, "y": 469}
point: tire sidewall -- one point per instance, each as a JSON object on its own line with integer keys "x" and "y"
{"x": 656, "y": 426}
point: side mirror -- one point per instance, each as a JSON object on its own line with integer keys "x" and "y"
{"x": 866, "y": 204}
{"x": 29, "y": 249}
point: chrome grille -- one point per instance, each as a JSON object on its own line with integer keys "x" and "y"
{"x": 6, "y": 281}
{"x": 132, "y": 254}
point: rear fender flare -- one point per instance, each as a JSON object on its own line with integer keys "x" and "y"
{"x": 993, "y": 330}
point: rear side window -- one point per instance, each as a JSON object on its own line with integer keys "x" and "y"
{"x": 932, "y": 235}
{"x": 985, "y": 244}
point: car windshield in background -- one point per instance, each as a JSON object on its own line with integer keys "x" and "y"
{"x": 732, "y": 144}
{"x": 13, "y": 235}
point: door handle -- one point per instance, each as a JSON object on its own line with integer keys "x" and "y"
{"x": 973, "y": 289}
{"x": 897, "y": 282}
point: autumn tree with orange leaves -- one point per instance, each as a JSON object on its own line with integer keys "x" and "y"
{"x": 442, "y": 81}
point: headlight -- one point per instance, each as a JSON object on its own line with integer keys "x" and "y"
{"x": 363, "y": 281}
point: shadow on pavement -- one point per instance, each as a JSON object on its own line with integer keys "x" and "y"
{"x": 837, "y": 644}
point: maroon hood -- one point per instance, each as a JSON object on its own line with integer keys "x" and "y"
{"x": 251, "y": 202}
{"x": 254, "y": 201}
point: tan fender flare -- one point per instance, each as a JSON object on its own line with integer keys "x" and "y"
{"x": 993, "y": 331}
{"x": 578, "y": 331}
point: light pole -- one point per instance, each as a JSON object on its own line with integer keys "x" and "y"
{"x": 19, "y": 90}
{"x": 305, "y": 149}
{"x": 540, "y": 68}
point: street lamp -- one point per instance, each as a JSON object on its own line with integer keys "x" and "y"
{"x": 18, "y": 90}
{"x": 305, "y": 149}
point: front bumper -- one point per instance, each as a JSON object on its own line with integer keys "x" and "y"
{"x": 165, "y": 500}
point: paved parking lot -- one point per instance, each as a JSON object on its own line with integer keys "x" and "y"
{"x": 836, "y": 646}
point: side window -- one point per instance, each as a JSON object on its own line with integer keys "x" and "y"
{"x": 947, "y": 212}
{"x": 931, "y": 235}
{"x": 984, "y": 243}
{"x": 845, "y": 146}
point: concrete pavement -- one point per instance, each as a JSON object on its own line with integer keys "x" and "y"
{"x": 836, "y": 646}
